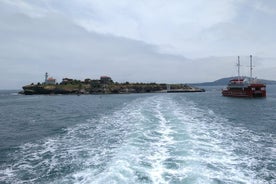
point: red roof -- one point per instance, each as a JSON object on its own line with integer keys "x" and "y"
{"x": 51, "y": 79}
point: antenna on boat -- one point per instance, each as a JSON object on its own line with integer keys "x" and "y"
{"x": 251, "y": 67}
{"x": 238, "y": 65}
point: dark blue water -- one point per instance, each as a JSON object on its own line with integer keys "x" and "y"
{"x": 137, "y": 138}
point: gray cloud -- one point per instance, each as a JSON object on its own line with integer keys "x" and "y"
{"x": 48, "y": 40}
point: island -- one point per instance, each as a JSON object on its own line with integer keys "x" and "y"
{"x": 104, "y": 85}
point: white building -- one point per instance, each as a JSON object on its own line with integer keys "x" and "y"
{"x": 49, "y": 80}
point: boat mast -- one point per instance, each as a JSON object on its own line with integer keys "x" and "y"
{"x": 238, "y": 65}
{"x": 251, "y": 68}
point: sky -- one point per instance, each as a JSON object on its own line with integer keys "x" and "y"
{"x": 172, "y": 41}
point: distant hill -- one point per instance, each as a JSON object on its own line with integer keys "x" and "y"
{"x": 224, "y": 81}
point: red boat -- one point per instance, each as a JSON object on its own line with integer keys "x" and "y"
{"x": 245, "y": 87}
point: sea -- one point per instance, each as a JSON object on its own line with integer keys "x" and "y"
{"x": 157, "y": 138}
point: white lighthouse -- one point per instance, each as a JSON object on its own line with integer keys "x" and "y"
{"x": 46, "y": 77}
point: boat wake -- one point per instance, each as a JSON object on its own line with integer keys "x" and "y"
{"x": 157, "y": 139}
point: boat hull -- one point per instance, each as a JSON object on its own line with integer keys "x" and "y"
{"x": 244, "y": 93}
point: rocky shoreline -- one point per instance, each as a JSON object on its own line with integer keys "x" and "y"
{"x": 104, "y": 86}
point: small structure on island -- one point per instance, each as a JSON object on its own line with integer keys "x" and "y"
{"x": 67, "y": 81}
{"x": 106, "y": 80}
{"x": 49, "y": 80}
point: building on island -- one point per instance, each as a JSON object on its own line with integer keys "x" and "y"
{"x": 49, "y": 80}
{"x": 106, "y": 80}
{"x": 67, "y": 81}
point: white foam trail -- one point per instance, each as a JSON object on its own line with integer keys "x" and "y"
{"x": 144, "y": 147}
{"x": 161, "y": 147}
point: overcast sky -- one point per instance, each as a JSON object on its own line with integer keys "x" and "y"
{"x": 176, "y": 41}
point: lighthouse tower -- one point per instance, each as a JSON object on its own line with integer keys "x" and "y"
{"x": 46, "y": 77}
